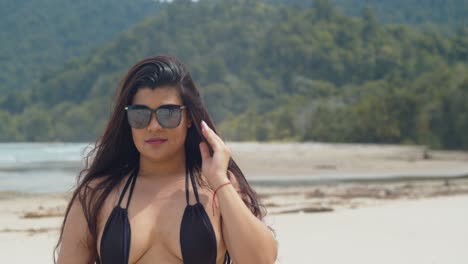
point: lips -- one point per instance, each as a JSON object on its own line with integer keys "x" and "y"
{"x": 155, "y": 140}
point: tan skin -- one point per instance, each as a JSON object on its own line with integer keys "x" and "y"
{"x": 158, "y": 200}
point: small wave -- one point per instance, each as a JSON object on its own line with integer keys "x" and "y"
{"x": 15, "y": 155}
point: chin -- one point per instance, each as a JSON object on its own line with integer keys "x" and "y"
{"x": 159, "y": 154}
{"x": 154, "y": 154}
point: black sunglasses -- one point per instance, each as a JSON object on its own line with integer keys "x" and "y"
{"x": 168, "y": 116}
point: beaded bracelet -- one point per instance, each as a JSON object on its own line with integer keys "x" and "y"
{"x": 214, "y": 195}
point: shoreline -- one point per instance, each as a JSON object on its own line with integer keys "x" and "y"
{"x": 261, "y": 163}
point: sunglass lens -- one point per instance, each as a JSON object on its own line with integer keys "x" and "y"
{"x": 169, "y": 117}
{"x": 139, "y": 118}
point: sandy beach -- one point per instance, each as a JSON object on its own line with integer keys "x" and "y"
{"x": 429, "y": 230}
{"x": 432, "y": 230}
{"x": 417, "y": 215}
{"x": 348, "y": 160}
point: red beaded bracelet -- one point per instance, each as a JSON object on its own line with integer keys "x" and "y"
{"x": 214, "y": 195}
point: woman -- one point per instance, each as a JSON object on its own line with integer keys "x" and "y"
{"x": 161, "y": 187}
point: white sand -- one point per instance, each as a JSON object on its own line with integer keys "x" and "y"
{"x": 345, "y": 160}
{"x": 19, "y": 248}
{"x": 424, "y": 231}
{"x": 432, "y": 230}
{"x": 19, "y": 240}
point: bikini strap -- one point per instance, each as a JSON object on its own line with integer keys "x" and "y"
{"x": 131, "y": 179}
{"x": 194, "y": 185}
{"x": 187, "y": 196}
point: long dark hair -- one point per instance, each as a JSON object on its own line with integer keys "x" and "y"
{"x": 114, "y": 154}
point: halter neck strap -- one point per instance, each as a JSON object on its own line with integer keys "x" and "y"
{"x": 194, "y": 185}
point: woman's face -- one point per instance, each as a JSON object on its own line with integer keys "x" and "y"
{"x": 173, "y": 138}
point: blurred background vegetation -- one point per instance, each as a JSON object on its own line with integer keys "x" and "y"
{"x": 382, "y": 71}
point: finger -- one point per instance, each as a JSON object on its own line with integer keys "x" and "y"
{"x": 204, "y": 151}
{"x": 218, "y": 145}
{"x": 211, "y": 136}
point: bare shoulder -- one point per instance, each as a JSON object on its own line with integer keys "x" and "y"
{"x": 77, "y": 244}
{"x": 98, "y": 184}
{"x": 76, "y": 241}
{"x": 97, "y": 187}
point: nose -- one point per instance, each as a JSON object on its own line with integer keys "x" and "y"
{"x": 154, "y": 124}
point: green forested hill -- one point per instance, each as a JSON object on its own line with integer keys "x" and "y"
{"x": 41, "y": 34}
{"x": 271, "y": 72}
{"x": 446, "y": 14}
{"x": 37, "y": 36}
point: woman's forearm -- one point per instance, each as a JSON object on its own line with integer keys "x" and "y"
{"x": 248, "y": 239}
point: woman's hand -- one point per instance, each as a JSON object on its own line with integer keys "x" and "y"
{"x": 214, "y": 168}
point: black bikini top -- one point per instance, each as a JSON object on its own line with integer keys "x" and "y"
{"x": 197, "y": 237}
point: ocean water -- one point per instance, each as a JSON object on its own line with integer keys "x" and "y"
{"x": 40, "y": 167}
{"x": 54, "y": 167}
